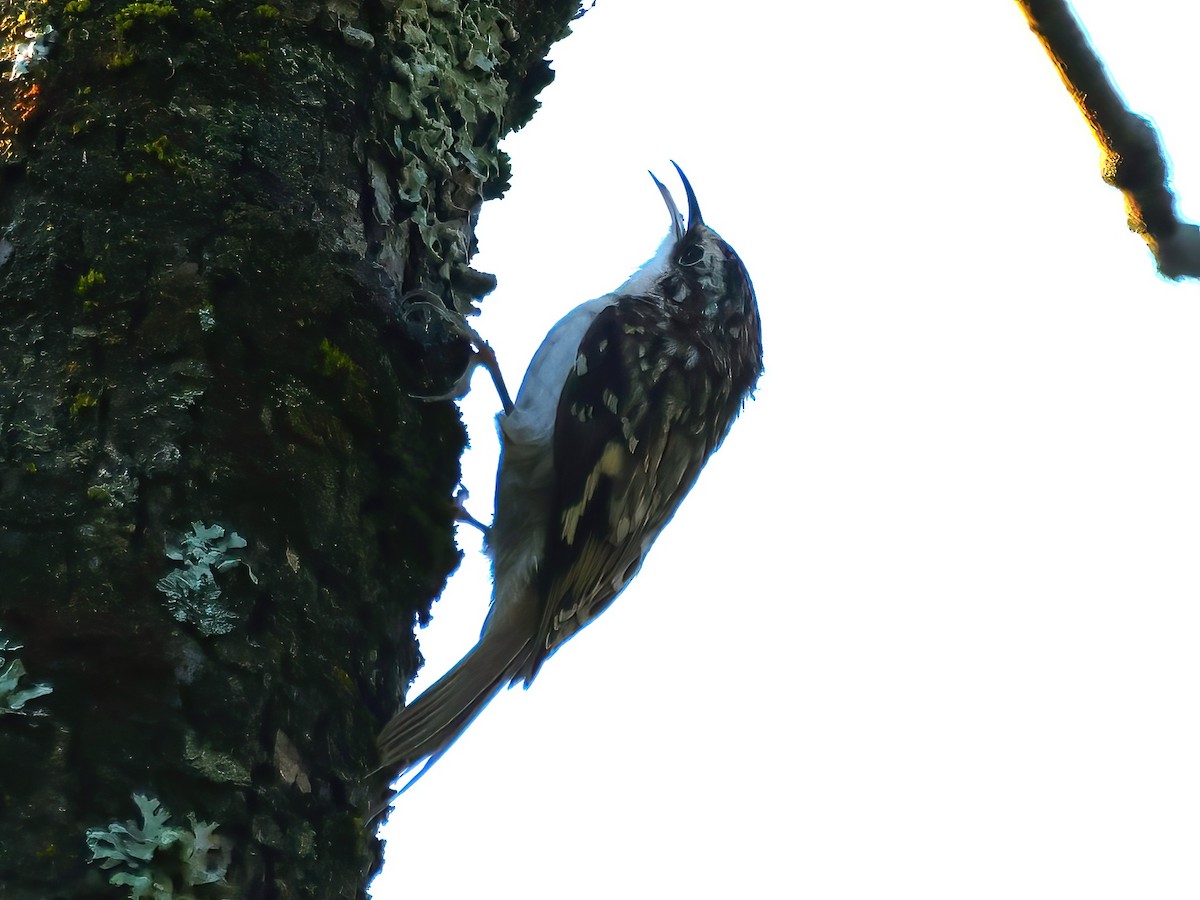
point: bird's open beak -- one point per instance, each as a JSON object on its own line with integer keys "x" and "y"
{"x": 694, "y": 218}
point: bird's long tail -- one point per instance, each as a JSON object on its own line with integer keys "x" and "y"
{"x": 427, "y": 728}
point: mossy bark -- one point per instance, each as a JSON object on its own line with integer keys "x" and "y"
{"x": 214, "y": 218}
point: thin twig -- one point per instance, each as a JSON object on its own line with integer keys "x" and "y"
{"x": 1132, "y": 160}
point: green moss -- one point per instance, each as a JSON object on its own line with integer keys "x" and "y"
{"x": 98, "y": 493}
{"x": 77, "y": 6}
{"x": 162, "y": 150}
{"x": 266, "y": 11}
{"x": 31, "y": 468}
{"x": 88, "y": 282}
{"x": 159, "y": 148}
{"x": 130, "y": 15}
{"x": 82, "y": 402}
{"x": 253, "y": 59}
{"x": 202, "y": 15}
{"x": 121, "y": 59}
{"x": 335, "y": 360}
{"x": 342, "y": 677}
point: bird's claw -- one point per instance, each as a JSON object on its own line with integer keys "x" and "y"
{"x": 457, "y": 391}
{"x": 481, "y": 353}
{"x": 461, "y": 514}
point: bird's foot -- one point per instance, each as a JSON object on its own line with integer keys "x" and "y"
{"x": 461, "y": 514}
{"x": 481, "y": 353}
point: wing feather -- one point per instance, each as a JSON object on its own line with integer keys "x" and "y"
{"x": 628, "y": 446}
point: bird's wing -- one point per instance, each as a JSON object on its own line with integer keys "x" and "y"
{"x": 630, "y": 438}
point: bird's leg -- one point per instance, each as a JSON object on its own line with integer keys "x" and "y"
{"x": 481, "y": 352}
{"x": 485, "y": 356}
{"x": 461, "y": 514}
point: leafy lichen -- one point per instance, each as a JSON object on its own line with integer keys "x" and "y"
{"x": 192, "y": 590}
{"x": 444, "y": 111}
{"x": 15, "y": 692}
{"x": 157, "y": 860}
{"x": 28, "y": 54}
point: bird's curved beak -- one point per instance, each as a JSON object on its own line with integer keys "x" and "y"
{"x": 694, "y": 218}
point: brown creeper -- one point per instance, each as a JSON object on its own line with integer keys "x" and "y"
{"x": 622, "y": 405}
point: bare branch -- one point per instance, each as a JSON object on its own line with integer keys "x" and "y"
{"x": 1132, "y": 160}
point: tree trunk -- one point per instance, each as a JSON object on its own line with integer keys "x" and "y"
{"x": 221, "y": 508}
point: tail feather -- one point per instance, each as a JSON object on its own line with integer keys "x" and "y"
{"x": 426, "y": 729}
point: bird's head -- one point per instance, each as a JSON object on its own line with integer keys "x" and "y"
{"x": 695, "y": 272}
{"x": 699, "y": 280}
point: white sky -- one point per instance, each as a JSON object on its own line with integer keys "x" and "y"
{"x": 929, "y": 624}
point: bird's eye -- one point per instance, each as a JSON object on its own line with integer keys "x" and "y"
{"x": 691, "y": 255}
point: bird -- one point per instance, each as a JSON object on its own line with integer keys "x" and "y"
{"x": 620, "y": 408}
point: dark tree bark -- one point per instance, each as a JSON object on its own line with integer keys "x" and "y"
{"x": 221, "y": 509}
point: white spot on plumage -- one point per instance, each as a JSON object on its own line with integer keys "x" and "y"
{"x": 610, "y": 463}
{"x": 623, "y": 527}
